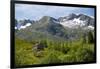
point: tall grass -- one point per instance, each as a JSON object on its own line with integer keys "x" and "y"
{"x": 55, "y": 52}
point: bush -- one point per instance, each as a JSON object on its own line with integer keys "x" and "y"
{"x": 90, "y": 37}
{"x": 68, "y": 58}
{"x": 78, "y": 54}
{"x": 84, "y": 55}
{"x": 55, "y": 52}
{"x": 24, "y": 54}
{"x": 52, "y": 57}
{"x": 39, "y": 54}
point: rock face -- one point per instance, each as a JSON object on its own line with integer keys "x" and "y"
{"x": 68, "y": 17}
{"x": 38, "y": 47}
{"x": 74, "y": 21}
{"x": 21, "y": 24}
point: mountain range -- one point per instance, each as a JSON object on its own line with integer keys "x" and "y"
{"x": 68, "y": 27}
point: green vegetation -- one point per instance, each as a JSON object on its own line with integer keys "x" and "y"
{"x": 27, "y": 53}
{"x": 48, "y": 42}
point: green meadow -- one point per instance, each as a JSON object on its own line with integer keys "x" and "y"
{"x": 54, "y": 51}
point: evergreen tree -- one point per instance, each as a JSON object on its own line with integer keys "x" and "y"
{"x": 90, "y": 37}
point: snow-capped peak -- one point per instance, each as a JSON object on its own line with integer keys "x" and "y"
{"x": 23, "y": 26}
{"x": 70, "y": 21}
{"x": 28, "y": 24}
{"x": 76, "y": 22}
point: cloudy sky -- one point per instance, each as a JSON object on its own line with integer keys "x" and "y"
{"x": 35, "y": 12}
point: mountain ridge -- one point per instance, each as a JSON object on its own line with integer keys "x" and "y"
{"x": 71, "y": 27}
{"x": 71, "y": 19}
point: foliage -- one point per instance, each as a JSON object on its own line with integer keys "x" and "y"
{"x": 90, "y": 37}
{"x": 24, "y": 54}
{"x": 51, "y": 57}
{"x": 54, "y": 52}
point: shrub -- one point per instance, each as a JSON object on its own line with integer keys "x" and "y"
{"x": 24, "y": 54}
{"x": 90, "y": 37}
{"x": 52, "y": 57}
{"x": 55, "y": 52}
{"x": 68, "y": 58}
{"x": 84, "y": 55}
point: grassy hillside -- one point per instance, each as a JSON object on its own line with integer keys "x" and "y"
{"x": 54, "y": 52}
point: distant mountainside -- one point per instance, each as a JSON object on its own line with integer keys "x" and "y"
{"x": 74, "y": 21}
{"x": 68, "y": 28}
{"x": 21, "y": 24}
{"x": 71, "y": 21}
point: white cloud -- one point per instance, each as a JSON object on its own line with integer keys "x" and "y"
{"x": 23, "y": 11}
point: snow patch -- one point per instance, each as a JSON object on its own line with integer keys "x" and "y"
{"x": 23, "y": 27}
{"x": 92, "y": 17}
{"x": 55, "y": 21}
{"x": 28, "y": 24}
{"x": 91, "y": 27}
{"x": 76, "y": 22}
{"x": 64, "y": 19}
{"x": 15, "y": 27}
